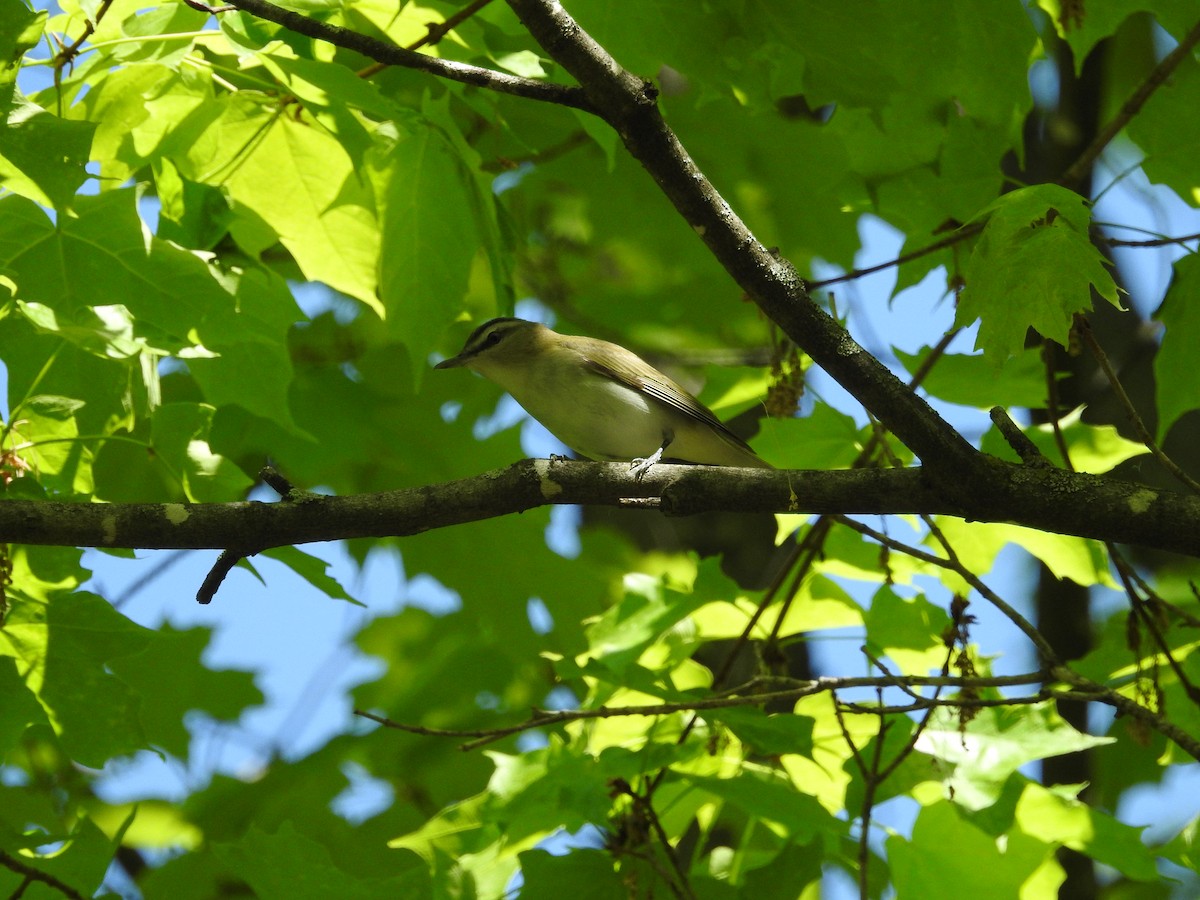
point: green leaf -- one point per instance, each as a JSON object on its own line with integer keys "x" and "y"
{"x": 163, "y": 704}
{"x": 105, "y": 331}
{"x": 587, "y": 874}
{"x": 974, "y": 381}
{"x": 976, "y": 543}
{"x": 20, "y": 708}
{"x": 651, "y": 758}
{"x": 179, "y": 437}
{"x": 1094, "y": 449}
{"x": 989, "y": 89}
{"x": 433, "y": 669}
{"x": 312, "y": 569}
{"x": 849, "y": 555}
{"x": 825, "y": 439}
{"x": 946, "y": 849}
{"x": 42, "y": 157}
{"x": 908, "y": 631}
{"x": 797, "y": 866}
{"x": 536, "y": 792}
{"x": 148, "y": 27}
{"x": 430, "y": 214}
{"x": 46, "y": 433}
{"x": 301, "y": 181}
{"x": 641, "y": 617}
{"x": 1164, "y": 130}
{"x": 111, "y": 291}
{"x": 80, "y": 864}
{"x": 995, "y": 743}
{"x": 1033, "y": 266}
{"x": 66, "y": 644}
{"x": 1048, "y": 816}
{"x": 457, "y": 829}
{"x": 525, "y": 63}
{"x": 319, "y": 84}
{"x": 156, "y": 824}
{"x": 472, "y": 847}
{"x": 287, "y": 863}
{"x": 820, "y": 604}
{"x": 141, "y": 113}
{"x": 773, "y": 799}
{"x": 1175, "y": 362}
{"x": 20, "y": 31}
{"x": 729, "y": 390}
{"x": 767, "y": 735}
{"x": 1104, "y": 17}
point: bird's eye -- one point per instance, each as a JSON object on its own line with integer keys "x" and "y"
{"x": 491, "y": 340}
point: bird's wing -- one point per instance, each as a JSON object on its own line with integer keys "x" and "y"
{"x": 641, "y": 376}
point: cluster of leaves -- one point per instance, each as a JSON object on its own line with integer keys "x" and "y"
{"x": 169, "y": 183}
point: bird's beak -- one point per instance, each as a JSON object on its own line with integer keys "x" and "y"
{"x": 452, "y": 363}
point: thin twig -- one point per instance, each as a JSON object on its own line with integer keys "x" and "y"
{"x": 32, "y": 873}
{"x": 1156, "y": 242}
{"x": 434, "y": 33}
{"x": 952, "y": 562}
{"x": 157, "y": 570}
{"x": 867, "y": 773}
{"x": 645, "y": 806}
{"x": 1102, "y": 695}
{"x": 1090, "y": 690}
{"x": 390, "y": 54}
{"x": 1182, "y": 614}
{"x": 751, "y": 697}
{"x": 931, "y": 358}
{"x": 958, "y": 236}
{"x": 211, "y": 10}
{"x": 67, "y": 54}
{"x": 928, "y": 704}
{"x": 1138, "y": 608}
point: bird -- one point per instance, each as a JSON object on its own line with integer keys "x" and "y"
{"x": 601, "y": 400}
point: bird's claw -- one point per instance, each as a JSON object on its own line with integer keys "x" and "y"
{"x": 639, "y": 467}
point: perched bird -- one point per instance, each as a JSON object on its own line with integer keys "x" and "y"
{"x": 599, "y": 399}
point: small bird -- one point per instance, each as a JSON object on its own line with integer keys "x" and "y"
{"x": 599, "y": 399}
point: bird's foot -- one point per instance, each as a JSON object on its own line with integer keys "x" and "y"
{"x": 639, "y": 467}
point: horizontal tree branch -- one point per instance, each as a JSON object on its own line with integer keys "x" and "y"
{"x": 392, "y": 55}
{"x": 1047, "y": 499}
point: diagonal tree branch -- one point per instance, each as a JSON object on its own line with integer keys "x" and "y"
{"x": 628, "y": 104}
